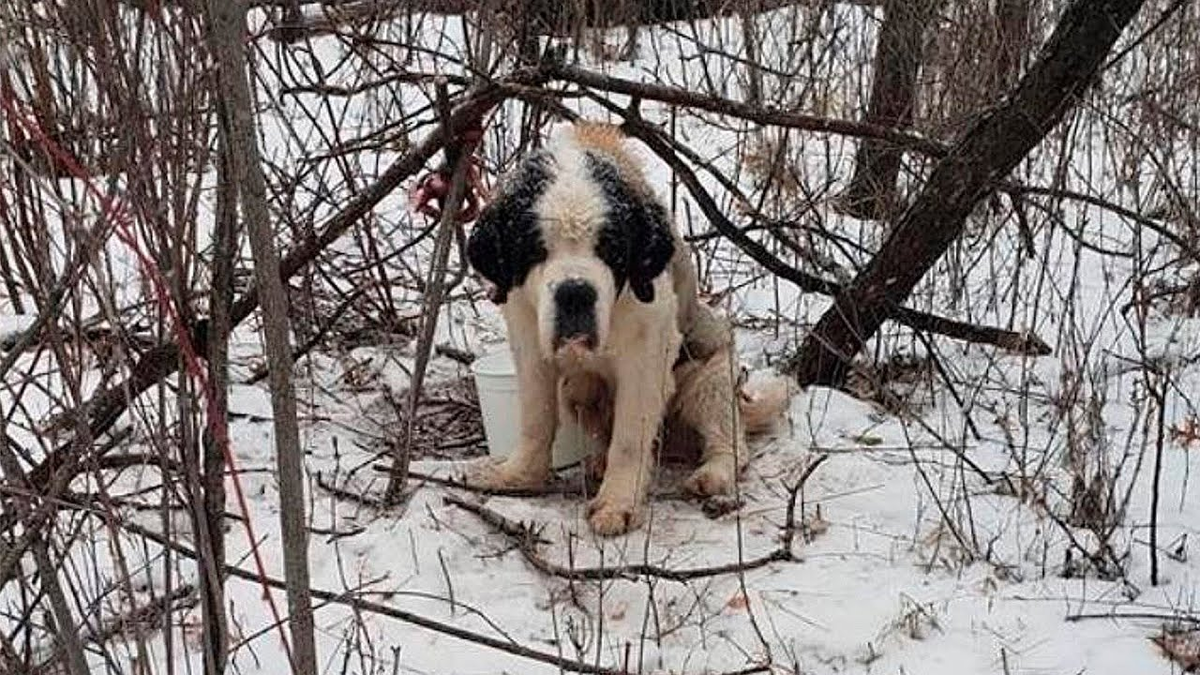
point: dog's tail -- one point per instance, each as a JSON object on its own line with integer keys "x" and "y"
{"x": 763, "y": 402}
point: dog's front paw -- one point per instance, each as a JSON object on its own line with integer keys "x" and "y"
{"x": 610, "y": 517}
{"x": 715, "y": 477}
{"x": 505, "y": 474}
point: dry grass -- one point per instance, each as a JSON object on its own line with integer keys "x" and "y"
{"x": 1181, "y": 647}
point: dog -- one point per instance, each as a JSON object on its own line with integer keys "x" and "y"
{"x": 599, "y": 297}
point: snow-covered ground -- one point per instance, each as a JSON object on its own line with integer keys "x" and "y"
{"x": 910, "y": 558}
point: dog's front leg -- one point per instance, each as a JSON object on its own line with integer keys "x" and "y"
{"x": 529, "y": 464}
{"x": 643, "y": 387}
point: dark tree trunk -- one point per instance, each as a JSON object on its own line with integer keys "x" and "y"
{"x": 236, "y": 132}
{"x": 754, "y": 73}
{"x": 987, "y": 151}
{"x": 1012, "y": 28}
{"x": 209, "y": 504}
{"x": 872, "y": 190}
{"x": 10, "y": 282}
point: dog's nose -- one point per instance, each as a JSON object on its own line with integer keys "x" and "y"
{"x": 575, "y": 312}
{"x": 574, "y": 296}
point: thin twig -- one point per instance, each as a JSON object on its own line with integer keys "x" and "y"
{"x": 349, "y": 495}
{"x": 458, "y": 157}
{"x": 1183, "y": 618}
{"x": 563, "y": 489}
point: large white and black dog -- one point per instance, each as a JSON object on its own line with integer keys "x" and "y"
{"x": 599, "y": 296}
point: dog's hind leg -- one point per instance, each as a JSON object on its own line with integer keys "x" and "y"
{"x": 706, "y": 401}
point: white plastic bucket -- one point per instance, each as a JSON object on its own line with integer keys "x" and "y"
{"x": 496, "y": 382}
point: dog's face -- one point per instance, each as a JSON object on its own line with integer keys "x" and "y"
{"x": 572, "y": 233}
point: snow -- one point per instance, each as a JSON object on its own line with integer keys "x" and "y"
{"x": 882, "y": 582}
{"x": 11, "y": 327}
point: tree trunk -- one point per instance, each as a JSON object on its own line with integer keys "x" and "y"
{"x": 1012, "y": 36}
{"x": 66, "y": 629}
{"x": 227, "y": 28}
{"x": 754, "y": 73}
{"x": 209, "y": 505}
{"x": 989, "y": 150}
{"x": 872, "y": 192}
{"x": 11, "y": 287}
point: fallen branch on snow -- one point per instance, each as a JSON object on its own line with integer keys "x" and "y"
{"x": 526, "y": 537}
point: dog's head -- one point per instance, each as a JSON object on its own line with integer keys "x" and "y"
{"x": 573, "y": 228}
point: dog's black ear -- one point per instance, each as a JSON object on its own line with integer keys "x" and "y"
{"x": 506, "y": 241}
{"x": 652, "y": 247}
{"x": 636, "y": 241}
{"x": 485, "y": 252}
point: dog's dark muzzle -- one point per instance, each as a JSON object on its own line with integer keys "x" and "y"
{"x": 575, "y": 314}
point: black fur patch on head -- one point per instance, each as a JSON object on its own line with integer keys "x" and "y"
{"x": 506, "y": 242}
{"x": 635, "y": 240}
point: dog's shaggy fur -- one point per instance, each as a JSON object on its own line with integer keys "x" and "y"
{"x": 599, "y": 296}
